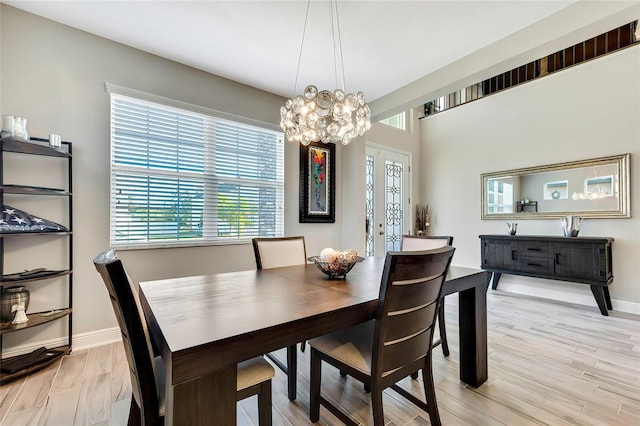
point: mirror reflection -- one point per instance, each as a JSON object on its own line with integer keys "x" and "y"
{"x": 589, "y": 188}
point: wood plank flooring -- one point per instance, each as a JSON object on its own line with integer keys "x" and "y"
{"x": 550, "y": 363}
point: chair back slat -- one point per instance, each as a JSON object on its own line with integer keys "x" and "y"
{"x": 409, "y": 295}
{"x": 402, "y": 325}
{"x": 135, "y": 335}
{"x": 279, "y": 252}
{"x": 402, "y": 352}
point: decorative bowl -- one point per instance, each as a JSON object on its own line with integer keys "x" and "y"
{"x": 335, "y": 269}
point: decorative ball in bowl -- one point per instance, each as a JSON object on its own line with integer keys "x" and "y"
{"x": 336, "y": 263}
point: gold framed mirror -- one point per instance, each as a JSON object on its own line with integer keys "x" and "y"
{"x": 594, "y": 188}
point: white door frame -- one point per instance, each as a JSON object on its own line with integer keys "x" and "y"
{"x": 379, "y": 226}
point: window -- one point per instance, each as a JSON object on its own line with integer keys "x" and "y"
{"x": 180, "y": 177}
{"x": 602, "y": 44}
{"x": 396, "y": 121}
{"x": 499, "y": 197}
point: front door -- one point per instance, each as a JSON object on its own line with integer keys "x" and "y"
{"x": 387, "y": 200}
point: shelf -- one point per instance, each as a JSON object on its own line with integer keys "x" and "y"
{"x": 13, "y": 234}
{"x": 35, "y": 146}
{"x": 531, "y": 206}
{"x": 9, "y": 377}
{"x": 32, "y": 190}
{"x": 36, "y": 319}
{"x": 53, "y": 274}
{"x": 61, "y": 274}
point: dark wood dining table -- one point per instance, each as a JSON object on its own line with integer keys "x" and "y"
{"x": 204, "y": 325}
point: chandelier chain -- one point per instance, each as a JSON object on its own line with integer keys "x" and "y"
{"x": 340, "y": 57}
{"x": 327, "y": 116}
{"x": 304, "y": 31}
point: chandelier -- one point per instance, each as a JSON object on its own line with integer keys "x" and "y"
{"x": 599, "y": 194}
{"x": 327, "y": 116}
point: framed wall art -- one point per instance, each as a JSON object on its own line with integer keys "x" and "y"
{"x": 317, "y": 183}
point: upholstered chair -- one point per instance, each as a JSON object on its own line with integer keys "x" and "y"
{"x": 398, "y": 342}
{"x": 413, "y": 243}
{"x": 147, "y": 373}
{"x": 279, "y": 252}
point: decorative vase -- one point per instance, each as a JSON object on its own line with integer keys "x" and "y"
{"x": 10, "y": 297}
{"x": 14, "y": 128}
{"x": 8, "y": 124}
{"x": 21, "y": 133}
{"x": 571, "y": 225}
{"x": 512, "y": 228}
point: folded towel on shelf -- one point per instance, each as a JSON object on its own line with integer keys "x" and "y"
{"x": 21, "y": 362}
{"x": 31, "y": 273}
{"x": 14, "y": 220}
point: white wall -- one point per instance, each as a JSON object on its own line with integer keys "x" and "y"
{"x": 591, "y": 110}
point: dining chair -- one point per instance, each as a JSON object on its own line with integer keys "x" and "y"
{"x": 148, "y": 373}
{"x": 419, "y": 242}
{"x": 277, "y": 252}
{"x": 398, "y": 342}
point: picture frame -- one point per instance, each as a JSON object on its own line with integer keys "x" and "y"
{"x": 317, "y": 183}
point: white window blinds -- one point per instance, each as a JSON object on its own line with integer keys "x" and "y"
{"x": 184, "y": 178}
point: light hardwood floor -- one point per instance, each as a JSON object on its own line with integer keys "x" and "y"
{"x": 549, "y": 364}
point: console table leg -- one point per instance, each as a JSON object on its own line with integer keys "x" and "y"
{"x": 599, "y": 294}
{"x": 607, "y": 297}
{"x": 495, "y": 278}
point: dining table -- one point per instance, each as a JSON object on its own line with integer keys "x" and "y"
{"x": 204, "y": 325}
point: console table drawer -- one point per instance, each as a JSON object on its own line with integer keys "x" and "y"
{"x": 535, "y": 265}
{"x": 534, "y": 249}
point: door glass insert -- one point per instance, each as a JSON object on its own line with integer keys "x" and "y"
{"x": 369, "y": 205}
{"x": 393, "y": 204}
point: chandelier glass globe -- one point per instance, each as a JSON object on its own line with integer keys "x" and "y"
{"x": 330, "y": 117}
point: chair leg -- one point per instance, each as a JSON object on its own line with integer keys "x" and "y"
{"x": 443, "y": 329}
{"x": 314, "y": 386}
{"x": 292, "y": 372}
{"x": 264, "y": 404}
{"x": 430, "y": 392}
{"x": 376, "y": 406}
{"x": 414, "y": 376}
{"x": 303, "y": 345}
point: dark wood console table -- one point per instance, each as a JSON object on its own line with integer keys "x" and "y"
{"x": 586, "y": 260}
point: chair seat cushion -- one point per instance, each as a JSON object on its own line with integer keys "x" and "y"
{"x": 352, "y": 346}
{"x": 254, "y": 371}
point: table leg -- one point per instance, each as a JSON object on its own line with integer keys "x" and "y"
{"x": 473, "y": 334}
{"x": 208, "y": 400}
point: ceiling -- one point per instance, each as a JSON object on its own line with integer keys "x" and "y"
{"x": 386, "y": 44}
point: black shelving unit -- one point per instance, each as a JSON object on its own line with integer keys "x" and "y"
{"x": 39, "y": 147}
{"x": 531, "y": 206}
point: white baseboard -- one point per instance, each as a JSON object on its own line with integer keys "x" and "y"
{"x": 579, "y": 294}
{"x": 80, "y": 341}
{"x": 624, "y": 306}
